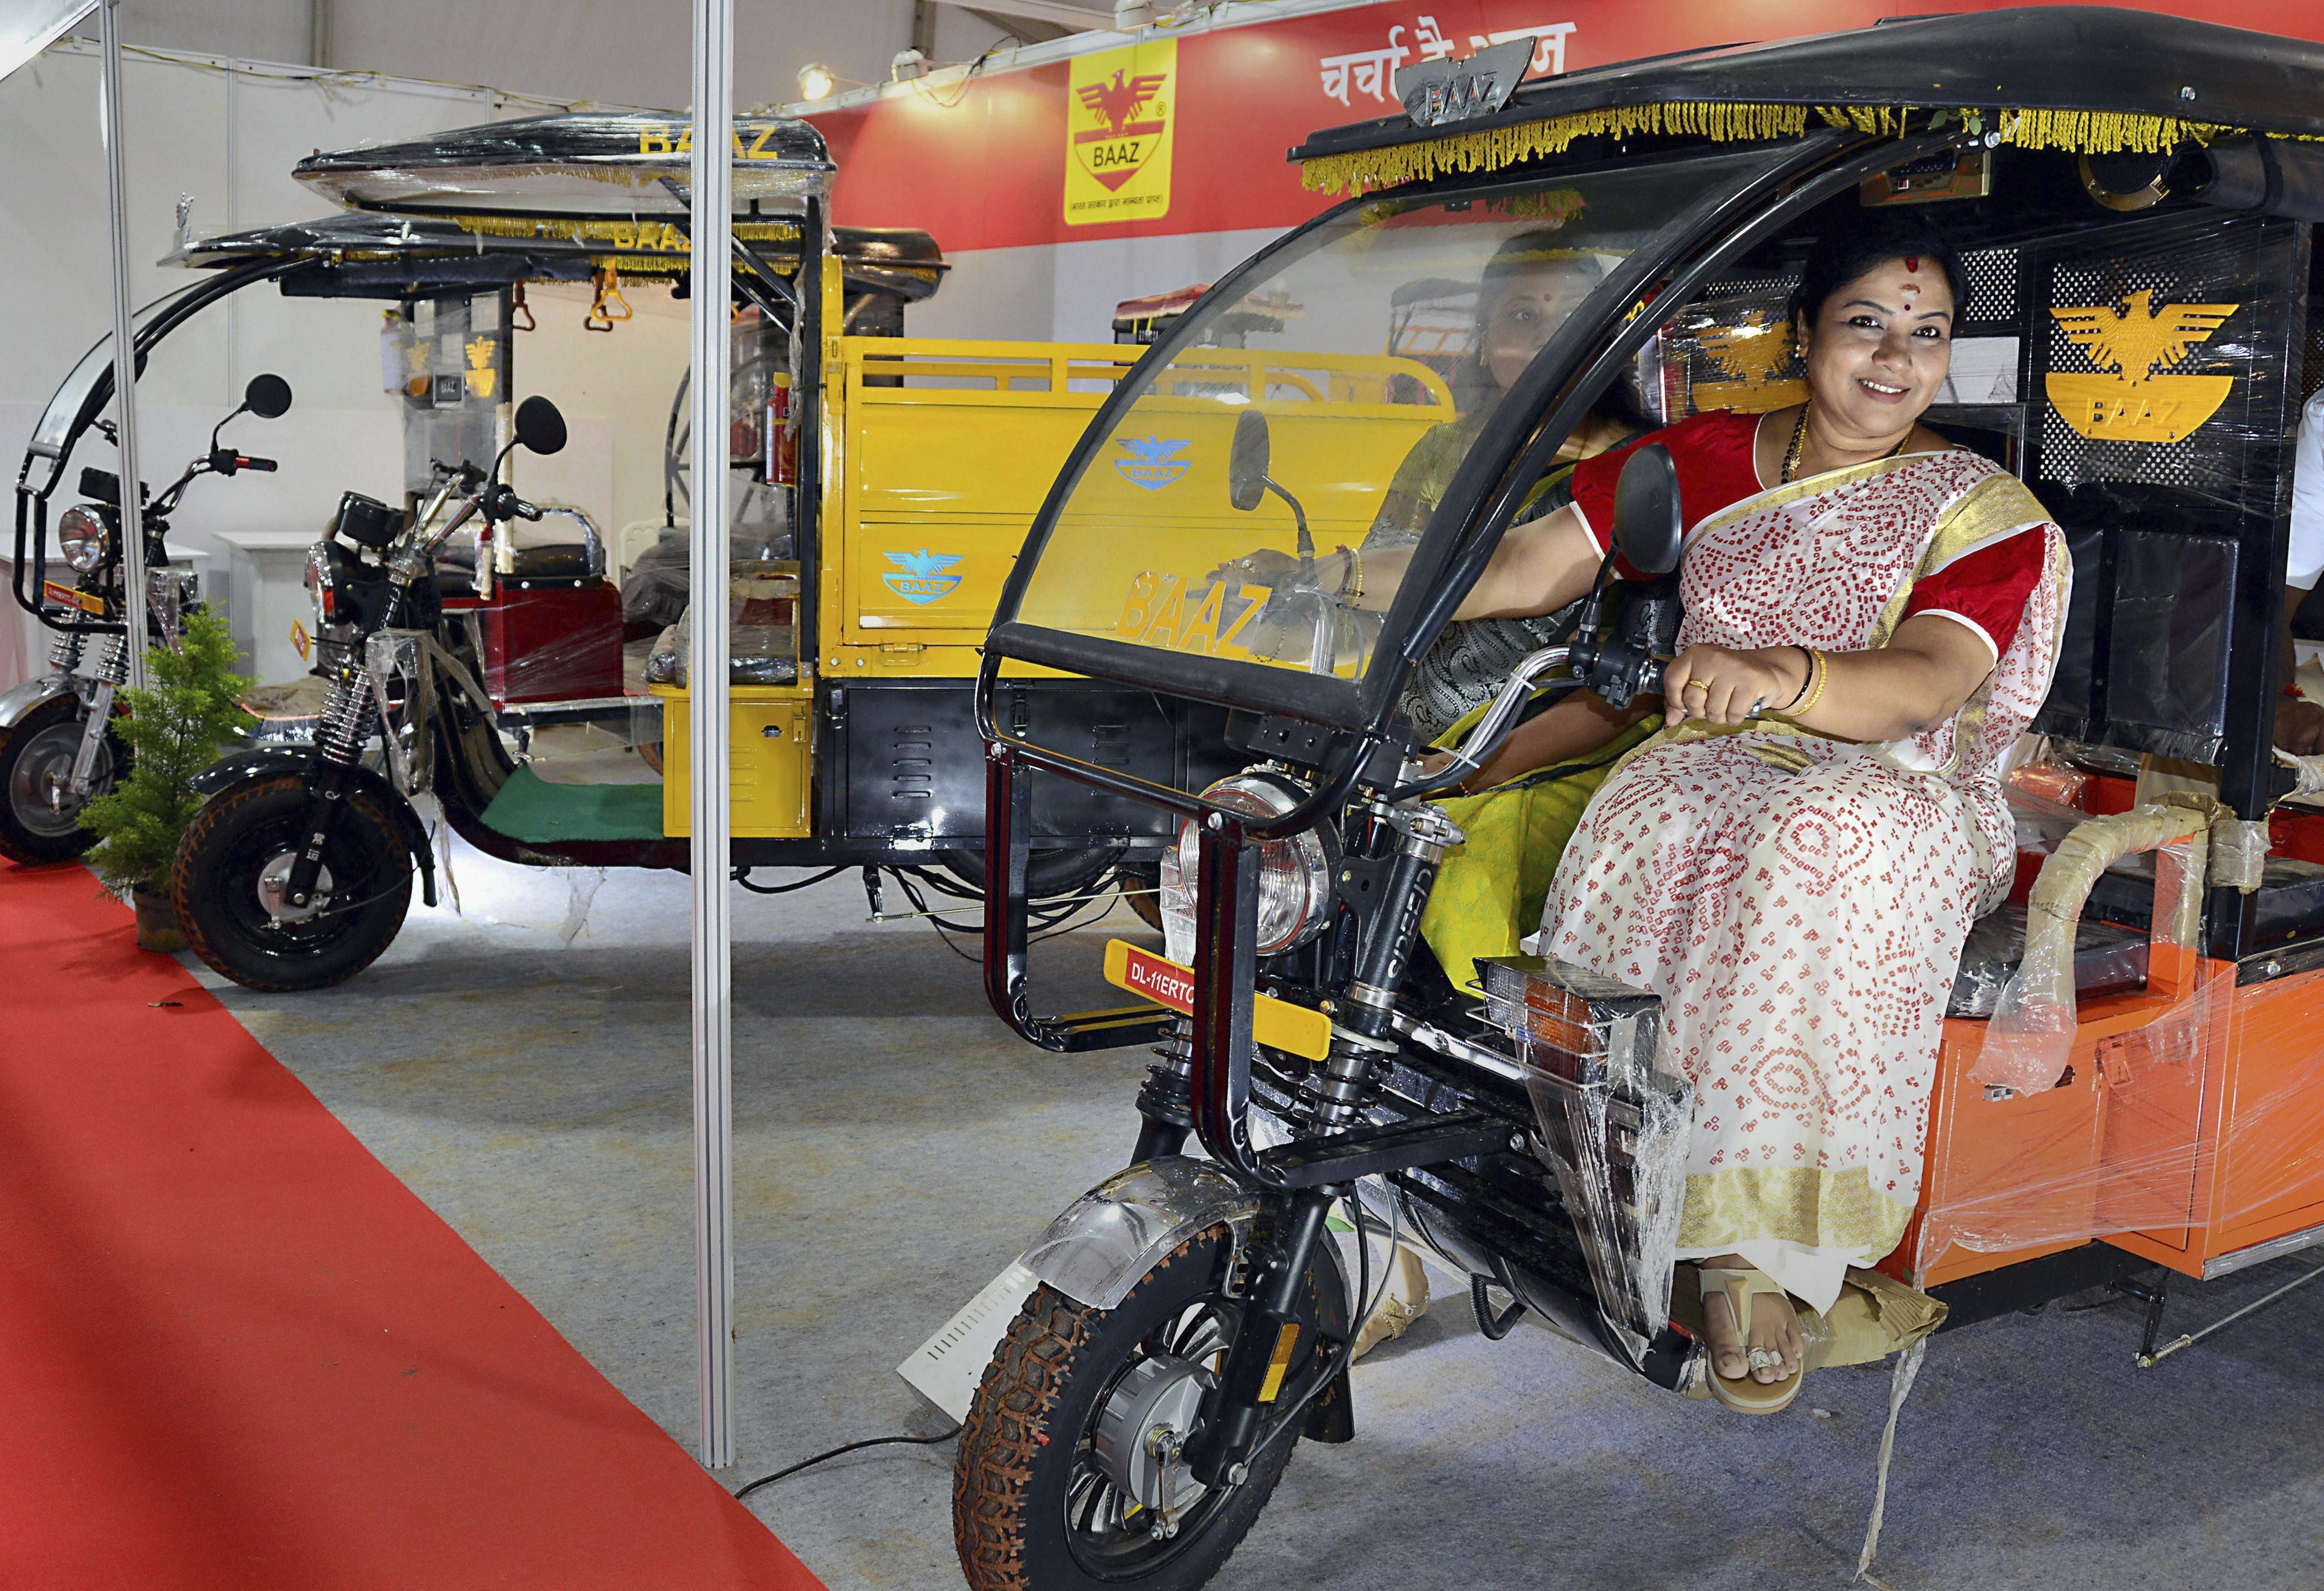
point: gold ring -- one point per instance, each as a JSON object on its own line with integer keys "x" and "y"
{"x": 1696, "y": 684}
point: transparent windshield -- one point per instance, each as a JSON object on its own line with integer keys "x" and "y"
{"x": 1341, "y": 391}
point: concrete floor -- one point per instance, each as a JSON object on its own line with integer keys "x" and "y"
{"x": 895, "y": 1146}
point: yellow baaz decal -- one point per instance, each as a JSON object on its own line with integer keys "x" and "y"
{"x": 482, "y": 376}
{"x": 2135, "y": 403}
{"x": 1751, "y": 350}
{"x": 1118, "y": 134}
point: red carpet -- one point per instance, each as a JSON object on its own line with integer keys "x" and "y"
{"x": 235, "y": 1351}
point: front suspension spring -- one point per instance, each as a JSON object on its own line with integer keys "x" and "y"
{"x": 64, "y": 652}
{"x": 112, "y": 667}
{"x": 348, "y": 718}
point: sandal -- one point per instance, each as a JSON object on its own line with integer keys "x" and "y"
{"x": 1744, "y": 1394}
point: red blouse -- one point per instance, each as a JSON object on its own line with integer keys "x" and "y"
{"x": 1985, "y": 588}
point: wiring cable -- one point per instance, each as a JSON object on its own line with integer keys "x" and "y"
{"x": 910, "y": 1441}
{"x": 742, "y": 877}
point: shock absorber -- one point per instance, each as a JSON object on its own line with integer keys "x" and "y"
{"x": 1165, "y": 1103}
{"x": 64, "y": 652}
{"x": 112, "y": 674}
{"x": 1346, "y": 1081}
{"x": 347, "y": 720}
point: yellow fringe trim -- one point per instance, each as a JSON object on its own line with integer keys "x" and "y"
{"x": 1492, "y": 149}
{"x": 653, "y": 237}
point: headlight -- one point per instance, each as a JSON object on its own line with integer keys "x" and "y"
{"x": 82, "y": 535}
{"x": 1294, "y": 875}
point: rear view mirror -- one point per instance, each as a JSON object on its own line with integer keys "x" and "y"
{"x": 268, "y": 397}
{"x": 1247, "y": 463}
{"x": 1648, "y": 526}
{"x": 539, "y": 424}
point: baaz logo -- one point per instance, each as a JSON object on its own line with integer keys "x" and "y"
{"x": 2137, "y": 343}
{"x": 1150, "y": 462}
{"x": 1118, "y": 134}
{"x": 923, "y": 579}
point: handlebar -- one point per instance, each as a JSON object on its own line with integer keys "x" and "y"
{"x": 1491, "y": 729}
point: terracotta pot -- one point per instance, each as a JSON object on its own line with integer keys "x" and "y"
{"x": 157, "y": 922}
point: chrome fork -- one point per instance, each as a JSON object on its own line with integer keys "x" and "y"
{"x": 110, "y": 677}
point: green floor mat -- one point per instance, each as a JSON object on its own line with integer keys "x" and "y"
{"x": 531, "y": 809}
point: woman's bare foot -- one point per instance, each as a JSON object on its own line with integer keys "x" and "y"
{"x": 1774, "y": 1326}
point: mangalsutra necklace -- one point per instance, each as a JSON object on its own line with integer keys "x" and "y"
{"x": 1798, "y": 450}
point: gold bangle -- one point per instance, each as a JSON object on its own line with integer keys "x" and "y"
{"x": 1355, "y": 576}
{"x": 1821, "y": 673}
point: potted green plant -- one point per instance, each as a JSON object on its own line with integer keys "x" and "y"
{"x": 174, "y": 731}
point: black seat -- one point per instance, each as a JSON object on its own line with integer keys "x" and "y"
{"x": 2108, "y": 959}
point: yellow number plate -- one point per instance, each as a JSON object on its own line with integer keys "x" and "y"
{"x": 1277, "y": 1023}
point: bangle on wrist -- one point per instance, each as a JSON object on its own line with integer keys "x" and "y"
{"x": 1811, "y": 693}
{"x": 1807, "y": 678}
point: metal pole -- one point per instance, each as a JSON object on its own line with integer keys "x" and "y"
{"x": 124, "y": 359}
{"x": 713, "y": 1027}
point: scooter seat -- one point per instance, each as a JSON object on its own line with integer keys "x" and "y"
{"x": 2108, "y": 959}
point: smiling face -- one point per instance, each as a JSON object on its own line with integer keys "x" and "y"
{"x": 1881, "y": 348}
{"x": 1522, "y": 310}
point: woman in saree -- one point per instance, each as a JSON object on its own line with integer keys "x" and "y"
{"x": 1793, "y": 860}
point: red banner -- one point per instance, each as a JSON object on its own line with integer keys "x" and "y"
{"x": 982, "y": 164}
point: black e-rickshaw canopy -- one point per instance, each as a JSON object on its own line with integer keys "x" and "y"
{"x": 2220, "y": 128}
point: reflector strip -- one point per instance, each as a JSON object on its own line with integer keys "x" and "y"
{"x": 1285, "y": 1341}
{"x": 1277, "y": 1023}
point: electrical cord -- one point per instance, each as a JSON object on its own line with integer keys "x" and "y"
{"x": 909, "y": 1441}
{"x": 742, "y": 877}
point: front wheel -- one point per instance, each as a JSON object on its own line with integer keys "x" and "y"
{"x": 1069, "y": 1477}
{"x": 228, "y": 885}
{"x": 40, "y": 816}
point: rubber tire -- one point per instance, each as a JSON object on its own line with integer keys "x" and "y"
{"x": 1016, "y": 1448}
{"x": 1140, "y": 887}
{"x": 366, "y": 840}
{"x": 1059, "y": 870}
{"x": 17, "y": 842}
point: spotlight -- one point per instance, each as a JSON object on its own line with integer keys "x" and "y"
{"x": 909, "y": 64}
{"x": 815, "y": 82}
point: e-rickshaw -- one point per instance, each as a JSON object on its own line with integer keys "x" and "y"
{"x": 883, "y": 484}
{"x": 2129, "y": 1052}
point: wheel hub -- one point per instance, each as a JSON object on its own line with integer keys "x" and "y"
{"x": 1147, "y": 1421}
{"x": 275, "y": 891}
{"x": 40, "y": 789}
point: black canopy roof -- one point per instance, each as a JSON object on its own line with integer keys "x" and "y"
{"x": 2087, "y": 78}
{"x": 588, "y": 164}
{"x": 363, "y": 255}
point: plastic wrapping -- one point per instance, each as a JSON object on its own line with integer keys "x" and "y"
{"x": 2178, "y": 1121}
{"x": 1615, "y": 1123}
{"x": 762, "y": 636}
{"x": 2028, "y": 1041}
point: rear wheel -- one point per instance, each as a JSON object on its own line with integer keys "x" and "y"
{"x": 1068, "y": 1477}
{"x": 40, "y": 817}
{"x": 228, "y": 885}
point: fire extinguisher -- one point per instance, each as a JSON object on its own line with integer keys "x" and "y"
{"x": 782, "y": 437}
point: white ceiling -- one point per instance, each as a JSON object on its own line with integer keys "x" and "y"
{"x": 620, "y": 51}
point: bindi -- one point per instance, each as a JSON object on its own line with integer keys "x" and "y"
{"x": 1911, "y": 261}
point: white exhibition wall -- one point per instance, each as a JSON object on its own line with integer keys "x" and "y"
{"x": 229, "y": 138}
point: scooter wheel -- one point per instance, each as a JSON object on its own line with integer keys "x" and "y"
{"x": 1037, "y": 1504}
{"x": 36, "y": 756}
{"x": 238, "y": 849}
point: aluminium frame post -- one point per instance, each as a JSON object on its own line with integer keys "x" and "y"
{"x": 125, "y": 347}
{"x": 710, "y": 265}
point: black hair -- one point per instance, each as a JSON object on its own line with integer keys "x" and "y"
{"x": 1866, "y": 243}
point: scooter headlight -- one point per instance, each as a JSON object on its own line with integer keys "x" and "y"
{"x": 82, "y": 535}
{"x": 1294, "y": 875}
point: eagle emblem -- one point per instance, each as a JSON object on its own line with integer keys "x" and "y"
{"x": 1752, "y": 349}
{"x": 922, "y": 579}
{"x": 1150, "y": 464}
{"x": 1120, "y": 143}
{"x": 2137, "y": 343}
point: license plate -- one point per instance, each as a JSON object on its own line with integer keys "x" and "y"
{"x": 1277, "y": 1023}
{"x": 65, "y": 596}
